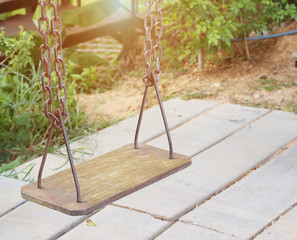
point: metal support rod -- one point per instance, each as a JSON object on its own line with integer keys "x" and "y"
{"x": 140, "y": 117}
{"x": 163, "y": 116}
{"x": 45, "y": 155}
{"x": 164, "y": 119}
{"x": 70, "y": 157}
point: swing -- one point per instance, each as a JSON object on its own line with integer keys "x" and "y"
{"x": 114, "y": 175}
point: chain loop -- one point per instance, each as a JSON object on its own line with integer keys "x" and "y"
{"x": 45, "y": 59}
{"x": 60, "y": 68}
{"x": 152, "y": 74}
{"x": 46, "y": 27}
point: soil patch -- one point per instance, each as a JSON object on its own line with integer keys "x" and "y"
{"x": 269, "y": 80}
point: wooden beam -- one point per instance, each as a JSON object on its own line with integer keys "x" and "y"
{"x": 10, "y": 5}
{"x": 116, "y": 23}
{"x": 66, "y": 2}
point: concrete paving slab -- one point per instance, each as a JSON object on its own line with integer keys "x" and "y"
{"x": 54, "y": 163}
{"x": 32, "y": 221}
{"x": 285, "y": 228}
{"x": 118, "y": 135}
{"x": 253, "y": 202}
{"x": 216, "y": 167}
{"x": 10, "y": 194}
{"x": 205, "y": 130}
{"x": 182, "y": 231}
{"x": 114, "y": 223}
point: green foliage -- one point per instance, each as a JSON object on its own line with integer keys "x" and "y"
{"x": 211, "y": 24}
{"x": 23, "y": 125}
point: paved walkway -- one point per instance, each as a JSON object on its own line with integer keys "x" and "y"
{"x": 242, "y": 183}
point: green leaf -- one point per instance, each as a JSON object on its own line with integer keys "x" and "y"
{"x": 90, "y": 14}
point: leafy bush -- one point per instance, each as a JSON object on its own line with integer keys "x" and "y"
{"x": 211, "y": 24}
{"x": 23, "y": 125}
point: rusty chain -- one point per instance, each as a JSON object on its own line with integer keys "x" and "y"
{"x": 148, "y": 44}
{"x": 158, "y": 51}
{"x": 44, "y": 26}
{"x": 153, "y": 47}
{"x": 60, "y": 69}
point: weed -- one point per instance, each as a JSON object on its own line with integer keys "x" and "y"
{"x": 291, "y": 107}
{"x": 170, "y": 96}
{"x": 271, "y": 84}
{"x": 197, "y": 95}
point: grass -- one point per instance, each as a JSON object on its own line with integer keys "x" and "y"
{"x": 271, "y": 84}
{"x": 189, "y": 96}
{"x": 24, "y": 127}
{"x": 291, "y": 107}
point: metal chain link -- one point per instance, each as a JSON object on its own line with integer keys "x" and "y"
{"x": 60, "y": 69}
{"x": 158, "y": 51}
{"x": 46, "y": 78}
{"x": 148, "y": 43}
{"x": 150, "y": 47}
{"x": 44, "y": 25}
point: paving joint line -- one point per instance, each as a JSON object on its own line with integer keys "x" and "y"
{"x": 273, "y": 221}
{"x": 232, "y": 133}
{"x": 206, "y": 227}
{"x": 159, "y": 232}
{"x": 72, "y": 226}
{"x": 162, "y": 218}
{"x": 156, "y": 216}
{"x": 10, "y": 210}
{"x": 186, "y": 121}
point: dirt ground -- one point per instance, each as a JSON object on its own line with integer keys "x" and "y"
{"x": 269, "y": 80}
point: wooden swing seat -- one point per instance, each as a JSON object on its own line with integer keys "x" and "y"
{"x": 105, "y": 179}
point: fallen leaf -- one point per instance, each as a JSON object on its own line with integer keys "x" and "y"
{"x": 90, "y": 223}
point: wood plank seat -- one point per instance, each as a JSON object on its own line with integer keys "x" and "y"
{"x": 105, "y": 179}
